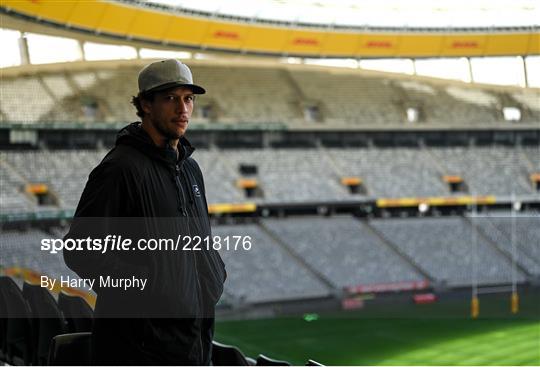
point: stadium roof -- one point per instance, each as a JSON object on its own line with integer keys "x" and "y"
{"x": 373, "y": 13}
{"x": 386, "y": 35}
{"x": 163, "y": 26}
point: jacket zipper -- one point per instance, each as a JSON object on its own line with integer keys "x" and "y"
{"x": 180, "y": 191}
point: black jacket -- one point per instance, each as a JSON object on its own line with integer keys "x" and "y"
{"x": 142, "y": 191}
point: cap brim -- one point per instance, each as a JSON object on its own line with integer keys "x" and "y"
{"x": 195, "y": 88}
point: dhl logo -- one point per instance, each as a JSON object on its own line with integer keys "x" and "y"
{"x": 226, "y": 34}
{"x": 306, "y": 41}
{"x": 378, "y": 44}
{"x": 465, "y": 44}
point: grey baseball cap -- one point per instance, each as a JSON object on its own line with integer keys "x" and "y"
{"x": 167, "y": 74}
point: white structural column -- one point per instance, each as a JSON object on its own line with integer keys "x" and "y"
{"x": 81, "y": 49}
{"x": 23, "y": 49}
{"x": 469, "y": 64}
{"x": 525, "y": 75}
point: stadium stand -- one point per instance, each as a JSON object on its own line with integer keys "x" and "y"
{"x": 267, "y": 94}
{"x": 232, "y": 93}
{"x": 266, "y": 272}
{"x": 350, "y": 99}
{"x": 451, "y": 104}
{"x": 65, "y": 172}
{"x": 47, "y": 318}
{"x": 443, "y": 247}
{"x": 111, "y": 92}
{"x": 290, "y": 175}
{"x": 34, "y": 328}
{"x": 19, "y": 93}
{"x": 22, "y": 249}
{"x": 309, "y": 257}
{"x": 406, "y": 237}
{"x": 12, "y": 198}
{"x": 343, "y": 249}
{"x": 532, "y": 158}
{"x": 293, "y": 175}
{"x": 530, "y": 104}
{"x": 499, "y": 226}
{"x": 19, "y": 347}
{"x": 500, "y": 171}
{"x": 392, "y": 172}
{"x": 218, "y": 172}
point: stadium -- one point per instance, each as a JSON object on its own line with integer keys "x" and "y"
{"x": 383, "y": 159}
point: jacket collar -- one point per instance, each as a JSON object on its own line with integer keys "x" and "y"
{"x": 134, "y": 135}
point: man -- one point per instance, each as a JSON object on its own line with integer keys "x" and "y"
{"x": 149, "y": 187}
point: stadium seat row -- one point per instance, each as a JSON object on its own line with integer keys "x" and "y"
{"x": 292, "y": 175}
{"x": 101, "y": 94}
{"x": 31, "y": 318}
{"x": 230, "y": 355}
{"x": 36, "y": 330}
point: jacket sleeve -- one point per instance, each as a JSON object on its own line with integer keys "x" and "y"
{"x": 200, "y": 182}
{"x": 108, "y": 198}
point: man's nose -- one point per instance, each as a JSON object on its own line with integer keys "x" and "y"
{"x": 181, "y": 106}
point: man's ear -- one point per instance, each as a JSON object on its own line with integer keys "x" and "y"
{"x": 146, "y": 105}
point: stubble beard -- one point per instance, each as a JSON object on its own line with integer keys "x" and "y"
{"x": 167, "y": 134}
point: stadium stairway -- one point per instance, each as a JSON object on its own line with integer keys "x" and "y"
{"x": 398, "y": 252}
{"x": 525, "y": 159}
{"x": 286, "y": 73}
{"x": 295, "y": 88}
{"x": 7, "y": 166}
{"x": 301, "y": 261}
{"x": 436, "y": 164}
{"x": 333, "y": 164}
{"x": 494, "y": 245}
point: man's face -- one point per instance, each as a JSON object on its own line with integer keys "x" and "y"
{"x": 170, "y": 112}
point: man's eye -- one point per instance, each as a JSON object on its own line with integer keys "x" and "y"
{"x": 190, "y": 98}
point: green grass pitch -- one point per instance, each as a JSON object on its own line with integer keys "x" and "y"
{"x": 423, "y": 335}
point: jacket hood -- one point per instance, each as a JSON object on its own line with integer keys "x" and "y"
{"x": 135, "y": 136}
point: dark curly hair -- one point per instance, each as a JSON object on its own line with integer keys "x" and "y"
{"x": 136, "y": 101}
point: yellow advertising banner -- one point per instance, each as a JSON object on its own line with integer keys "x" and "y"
{"x": 144, "y": 24}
